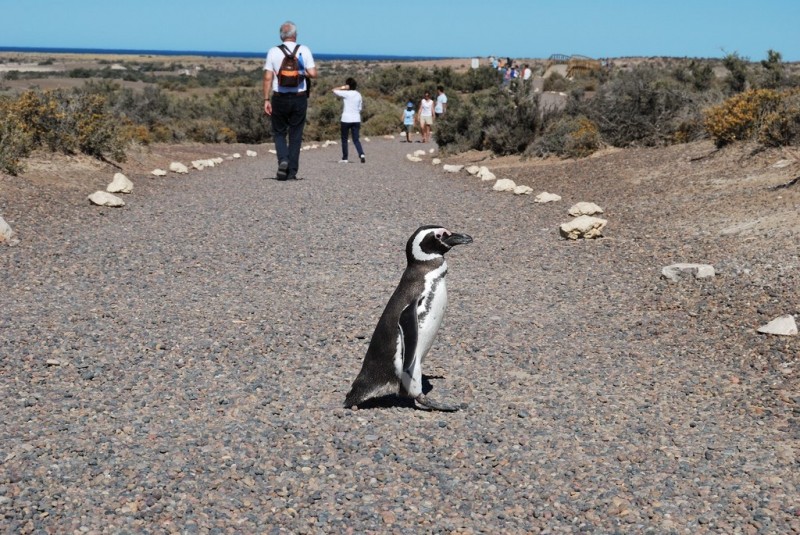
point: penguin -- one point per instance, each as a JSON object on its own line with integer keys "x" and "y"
{"x": 409, "y": 323}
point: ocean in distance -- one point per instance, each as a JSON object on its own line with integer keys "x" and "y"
{"x": 210, "y": 54}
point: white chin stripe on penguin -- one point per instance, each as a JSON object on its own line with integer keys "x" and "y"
{"x": 416, "y": 246}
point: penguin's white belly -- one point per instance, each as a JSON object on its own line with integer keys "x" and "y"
{"x": 430, "y": 310}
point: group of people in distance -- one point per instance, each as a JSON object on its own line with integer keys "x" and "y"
{"x": 509, "y": 70}
{"x": 287, "y": 103}
{"x": 428, "y": 112}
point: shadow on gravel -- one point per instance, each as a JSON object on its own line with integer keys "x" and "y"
{"x": 396, "y": 401}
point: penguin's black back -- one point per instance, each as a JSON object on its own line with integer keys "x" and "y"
{"x": 378, "y": 366}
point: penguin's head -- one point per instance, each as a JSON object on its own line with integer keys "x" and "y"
{"x": 431, "y": 242}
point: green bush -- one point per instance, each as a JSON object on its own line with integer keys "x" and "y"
{"x": 644, "y": 107}
{"x": 461, "y": 128}
{"x": 242, "y": 112}
{"x": 738, "y": 73}
{"x": 511, "y": 122}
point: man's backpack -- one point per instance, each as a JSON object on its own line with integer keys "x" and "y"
{"x": 289, "y": 73}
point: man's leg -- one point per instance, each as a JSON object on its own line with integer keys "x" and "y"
{"x": 280, "y": 127}
{"x": 297, "y": 122}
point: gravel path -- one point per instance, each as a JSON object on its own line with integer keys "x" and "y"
{"x": 179, "y": 365}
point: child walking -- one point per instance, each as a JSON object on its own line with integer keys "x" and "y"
{"x": 409, "y": 116}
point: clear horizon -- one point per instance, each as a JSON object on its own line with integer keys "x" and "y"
{"x": 514, "y": 28}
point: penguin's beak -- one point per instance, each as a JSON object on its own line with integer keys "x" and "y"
{"x": 457, "y": 239}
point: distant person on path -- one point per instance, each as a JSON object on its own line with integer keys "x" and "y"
{"x": 426, "y": 116}
{"x": 526, "y": 72}
{"x": 441, "y": 102}
{"x": 351, "y": 117}
{"x": 289, "y": 101}
{"x": 409, "y": 116}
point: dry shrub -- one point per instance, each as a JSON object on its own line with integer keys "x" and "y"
{"x": 742, "y": 116}
{"x": 210, "y": 131}
{"x": 68, "y": 122}
{"x": 782, "y": 127}
{"x": 642, "y": 107}
{"x": 574, "y": 137}
{"x": 15, "y": 140}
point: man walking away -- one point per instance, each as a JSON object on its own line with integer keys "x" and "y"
{"x": 286, "y": 72}
{"x": 441, "y": 102}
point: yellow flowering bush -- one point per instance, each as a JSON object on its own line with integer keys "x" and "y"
{"x": 741, "y": 117}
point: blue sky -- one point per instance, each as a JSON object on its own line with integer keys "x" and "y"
{"x": 516, "y": 28}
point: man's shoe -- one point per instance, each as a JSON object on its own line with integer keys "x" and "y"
{"x": 363, "y": 159}
{"x": 283, "y": 169}
{"x": 343, "y": 161}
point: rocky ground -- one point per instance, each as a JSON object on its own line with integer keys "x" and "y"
{"x": 179, "y": 364}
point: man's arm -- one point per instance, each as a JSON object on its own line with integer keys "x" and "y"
{"x": 268, "y": 75}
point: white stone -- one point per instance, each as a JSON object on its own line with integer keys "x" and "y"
{"x": 158, "y": 172}
{"x": 450, "y": 168}
{"x": 431, "y": 151}
{"x": 236, "y": 155}
{"x": 199, "y": 164}
{"x": 218, "y": 160}
{"x": 504, "y": 184}
{"x": 271, "y": 151}
{"x": 436, "y": 161}
{"x": 388, "y": 136}
{"x": 178, "y": 167}
{"x": 545, "y": 197}
{"x": 120, "y": 184}
{"x": 699, "y": 271}
{"x": 419, "y": 152}
{"x": 473, "y": 170}
{"x": 412, "y": 158}
{"x": 486, "y": 175}
{"x": 251, "y": 153}
{"x": 367, "y": 139}
{"x": 103, "y": 198}
{"x": 783, "y": 326}
{"x": 583, "y": 227}
{"x": 782, "y": 163}
{"x": 585, "y": 208}
{"x": 6, "y": 234}
{"x": 523, "y": 190}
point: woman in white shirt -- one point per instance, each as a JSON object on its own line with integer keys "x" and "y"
{"x": 351, "y": 117}
{"x": 426, "y": 116}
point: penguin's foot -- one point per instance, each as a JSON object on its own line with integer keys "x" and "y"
{"x": 429, "y": 405}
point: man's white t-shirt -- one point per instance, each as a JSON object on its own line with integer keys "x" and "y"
{"x": 441, "y": 100}
{"x": 275, "y": 58}
{"x": 352, "y": 105}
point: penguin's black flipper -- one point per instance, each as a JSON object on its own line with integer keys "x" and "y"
{"x": 430, "y": 405}
{"x": 408, "y": 330}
